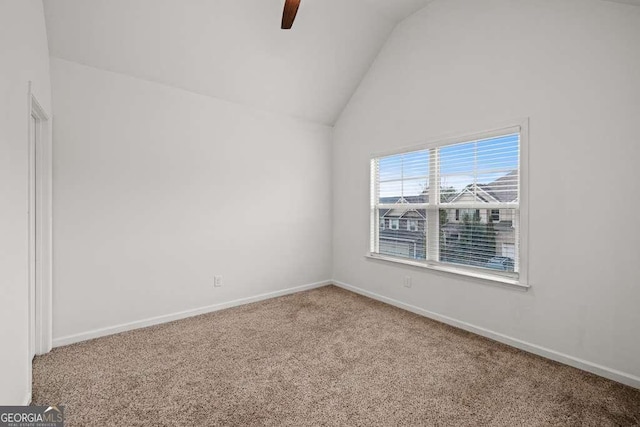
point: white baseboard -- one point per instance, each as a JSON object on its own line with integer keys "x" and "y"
{"x": 27, "y": 399}
{"x": 603, "y": 371}
{"x": 96, "y": 333}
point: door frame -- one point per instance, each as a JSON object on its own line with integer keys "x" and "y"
{"x": 40, "y": 219}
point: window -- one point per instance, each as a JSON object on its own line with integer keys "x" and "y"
{"x": 462, "y": 201}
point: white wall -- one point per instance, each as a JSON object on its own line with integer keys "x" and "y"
{"x": 571, "y": 66}
{"x": 156, "y": 190}
{"x": 24, "y": 57}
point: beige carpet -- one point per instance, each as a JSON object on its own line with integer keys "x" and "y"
{"x": 322, "y": 357}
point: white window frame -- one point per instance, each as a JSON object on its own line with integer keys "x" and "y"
{"x": 411, "y": 222}
{"x": 485, "y": 275}
{"x": 394, "y": 224}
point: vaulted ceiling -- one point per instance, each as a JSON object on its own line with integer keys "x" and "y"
{"x": 233, "y": 49}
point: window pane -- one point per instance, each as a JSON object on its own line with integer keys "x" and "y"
{"x": 405, "y": 233}
{"x": 480, "y": 171}
{"x": 498, "y": 187}
{"x": 390, "y": 192}
{"x": 416, "y": 164}
{"x": 404, "y": 177}
{"x": 390, "y": 167}
{"x": 472, "y": 238}
{"x": 412, "y": 190}
{"x": 458, "y": 158}
{"x": 498, "y": 153}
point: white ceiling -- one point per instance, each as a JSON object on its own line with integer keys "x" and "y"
{"x": 233, "y": 49}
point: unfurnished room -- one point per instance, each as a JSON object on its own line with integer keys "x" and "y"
{"x": 319, "y": 213}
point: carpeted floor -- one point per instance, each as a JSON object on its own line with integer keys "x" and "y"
{"x": 322, "y": 357}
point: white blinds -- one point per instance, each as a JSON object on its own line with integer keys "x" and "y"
{"x": 455, "y": 204}
{"x": 403, "y": 177}
{"x": 483, "y": 171}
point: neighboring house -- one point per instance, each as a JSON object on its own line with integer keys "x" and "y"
{"x": 502, "y": 190}
{"x": 402, "y": 232}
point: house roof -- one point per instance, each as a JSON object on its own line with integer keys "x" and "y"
{"x": 421, "y": 198}
{"x": 503, "y": 189}
{"x": 401, "y": 213}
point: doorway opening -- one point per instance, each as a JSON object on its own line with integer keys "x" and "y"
{"x": 40, "y": 228}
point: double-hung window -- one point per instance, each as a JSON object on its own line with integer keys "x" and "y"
{"x": 462, "y": 202}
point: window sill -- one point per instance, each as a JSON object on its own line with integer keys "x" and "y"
{"x": 452, "y": 270}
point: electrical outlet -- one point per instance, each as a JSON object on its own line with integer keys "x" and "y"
{"x": 407, "y": 281}
{"x": 217, "y": 281}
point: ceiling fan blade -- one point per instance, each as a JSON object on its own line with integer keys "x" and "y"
{"x": 289, "y": 13}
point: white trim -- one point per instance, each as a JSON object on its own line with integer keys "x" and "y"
{"x": 374, "y": 213}
{"x": 96, "y": 333}
{"x": 478, "y": 274}
{"x": 405, "y": 207}
{"x": 522, "y": 249}
{"x": 513, "y": 126}
{"x": 27, "y": 399}
{"x": 39, "y": 241}
{"x": 594, "y": 368}
{"x": 32, "y": 239}
{"x": 42, "y": 241}
{"x": 433, "y": 216}
{"x": 402, "y": 206}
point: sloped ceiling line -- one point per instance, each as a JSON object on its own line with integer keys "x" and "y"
{"x": 233, "y": 50}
